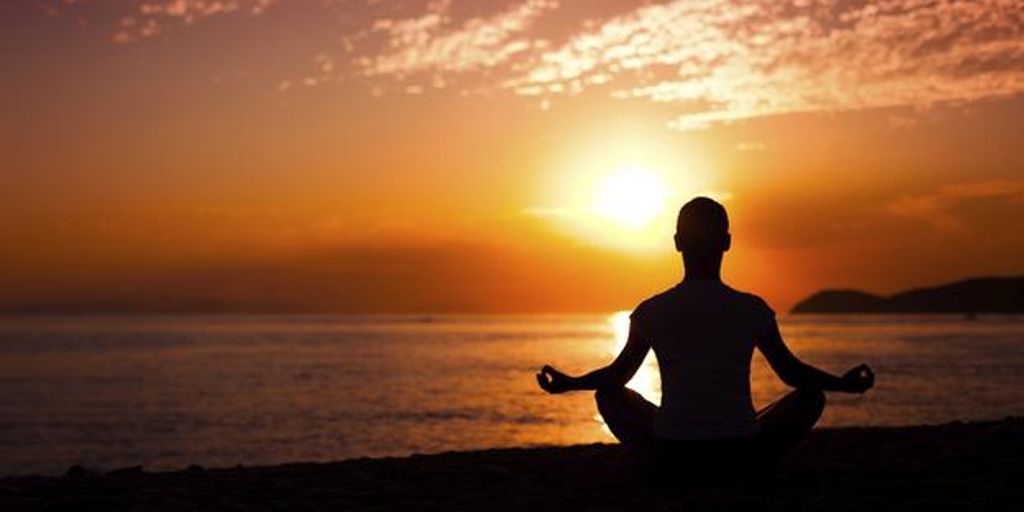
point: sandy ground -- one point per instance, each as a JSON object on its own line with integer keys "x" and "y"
{"x": 958, "y": 466}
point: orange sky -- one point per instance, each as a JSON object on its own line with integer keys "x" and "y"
{"x": 275, "y": 155}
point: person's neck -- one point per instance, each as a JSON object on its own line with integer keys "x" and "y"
{"x": 702, "y": 272}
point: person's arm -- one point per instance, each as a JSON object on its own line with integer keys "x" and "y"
{"x": 798, "y": 374}
{"x": 616, "y": 374}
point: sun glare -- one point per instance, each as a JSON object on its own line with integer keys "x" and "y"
{"x": 618, "y": 186}
{"x": 631, "y": 197}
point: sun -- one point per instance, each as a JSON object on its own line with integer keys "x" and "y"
{"x": 632, "y": 197}
{"x": 617, "y": 185}
{"x": 623, "y": 207}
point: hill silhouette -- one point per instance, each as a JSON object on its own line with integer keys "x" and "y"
{"x": 976, "y": 295}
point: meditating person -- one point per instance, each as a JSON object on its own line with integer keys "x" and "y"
{"x": 703, "y": 333}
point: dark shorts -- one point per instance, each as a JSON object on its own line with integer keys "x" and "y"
{"x": 731, "y": 458}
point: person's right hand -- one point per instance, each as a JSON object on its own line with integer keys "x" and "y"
{"x": 858, "y": 379}
{"x": 552, "y": 380}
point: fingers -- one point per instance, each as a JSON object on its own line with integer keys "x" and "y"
{"x": 541, "y": 381}
{"x": 551, "y": 380}
{"x": 860, "y": 378}
{"x": 867, "y": 374}
{"x": 544, "y": 380}
{"x": 548, "y": 373}
{"x": 859, "y": 370}
{"x": 551, "y": 373}
{"x": 866, "y": 377}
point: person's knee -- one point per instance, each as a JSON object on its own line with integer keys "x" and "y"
{"x": 603, "y": 395}
{"x": 812, "y": 398}
{"x": 608, "y": 396}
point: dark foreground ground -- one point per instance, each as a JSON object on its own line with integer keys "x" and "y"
{"x": 959, "y": 466}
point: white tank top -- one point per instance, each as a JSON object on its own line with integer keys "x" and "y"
{"x": 703, "y": 334}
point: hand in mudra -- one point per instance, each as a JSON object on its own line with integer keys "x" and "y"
{"x": 858, "y": 379}
{"x": 552, "y": 380}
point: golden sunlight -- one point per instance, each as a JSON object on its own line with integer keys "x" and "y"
{"x": 632, "y": 197}
{"x": 625, "y": 207}
{"x": 647, "y": 382}
{"x": 613, "y": 185}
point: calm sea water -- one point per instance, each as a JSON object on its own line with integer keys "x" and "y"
{"x": 170, "y": 391}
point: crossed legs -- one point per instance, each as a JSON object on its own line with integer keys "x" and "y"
{"x": 787, "y": 420}
{"x": 629, "y": 416}
{"x": 784, "y": 422}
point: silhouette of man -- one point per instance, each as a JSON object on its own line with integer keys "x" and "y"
{"x": 703, "y": 334}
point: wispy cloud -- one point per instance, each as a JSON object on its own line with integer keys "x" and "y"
{"x": 751, "y": 146}
{"x": 939, "y": 208}
{"x": 719, "y": 61}
{"x": 435, "y": 45}
{"x": 150, "y": 18}
{"x": 708, "y": 62}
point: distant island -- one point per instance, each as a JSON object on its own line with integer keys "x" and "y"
{"x": 970, "y": 296}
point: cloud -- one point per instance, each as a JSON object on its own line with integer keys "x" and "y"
{"x": 707, "y": 62}
{"x": 150, "y": 18}
{"x": 719, "y": 61}
{"x": 940, "y": 208}
{"x": 751, "y": 146}
{"x": 432, "y": 43}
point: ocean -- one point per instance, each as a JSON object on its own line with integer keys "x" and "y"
{"x": 165, "y": 392}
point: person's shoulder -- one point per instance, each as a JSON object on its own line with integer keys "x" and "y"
{"x": 653, "y": 303}
{"x": 755, "y": 311}
{"x": 751, "y": 300}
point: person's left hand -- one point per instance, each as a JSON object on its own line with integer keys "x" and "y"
{"x": 859, "y": 379}
{"x": 552, "y": 380}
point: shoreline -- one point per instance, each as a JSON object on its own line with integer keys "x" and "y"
{"x": 958, "y": 465}
{"x": 94, "y": 471}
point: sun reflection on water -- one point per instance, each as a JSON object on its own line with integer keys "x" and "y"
{"x": 647, "y": 381}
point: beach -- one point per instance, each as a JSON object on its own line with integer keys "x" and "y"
{"x": 954, "y": 466}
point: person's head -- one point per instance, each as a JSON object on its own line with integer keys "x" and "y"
{"x": 702, "y": 230}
